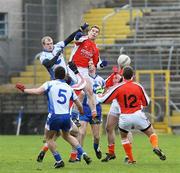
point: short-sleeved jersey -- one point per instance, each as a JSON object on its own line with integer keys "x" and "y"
{"x": 84, "y": 50}
{"x": 50, "y": 55}
{"x": 130, "y": 96}
{"x": 59, "y": 95}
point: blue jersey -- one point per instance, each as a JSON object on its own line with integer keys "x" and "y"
{"x": 50, "y": 55}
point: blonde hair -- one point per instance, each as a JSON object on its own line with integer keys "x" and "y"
{"x": 43, "y": 40}
{"x": 95, "y": 26}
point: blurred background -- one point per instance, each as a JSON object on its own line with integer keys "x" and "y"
{"x": 146, "y": 30}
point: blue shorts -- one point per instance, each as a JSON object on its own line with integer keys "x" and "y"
{"x": 59, "y": 122}
{"x": 88, "y": 116}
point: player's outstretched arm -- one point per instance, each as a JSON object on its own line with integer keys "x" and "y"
{"x": 71, "y": 37}
{"x": 36, "y": 91}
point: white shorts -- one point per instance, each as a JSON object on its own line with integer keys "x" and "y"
{"x": 84, "y": 72}
{"x": 136, "y": 120}
{"x": 114, "y": 109}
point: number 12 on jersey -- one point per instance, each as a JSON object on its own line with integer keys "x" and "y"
{"x": 130, "y": 101}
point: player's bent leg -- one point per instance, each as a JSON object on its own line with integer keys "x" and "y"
{"x": 52, "y": 146}
{"x": 44, "y": 149}
{"x": 82, "y": 131}
{"x": 91, "y": 99}
{"x": 96, "y": 135}
{"x": 74, "y": 142}
{"x": 127, "y": 146}
{"x": 111, "y": 123}
{"x": 74, "y": 131}
{"x": 154, "y": 142}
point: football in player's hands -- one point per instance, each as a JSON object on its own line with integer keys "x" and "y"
{"x": 20, "y": 87}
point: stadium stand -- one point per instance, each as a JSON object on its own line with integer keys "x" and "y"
{"x": 34, "y": 74}
{"x": 152, "y": 43}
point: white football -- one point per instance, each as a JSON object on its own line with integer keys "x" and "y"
{"x": 123, "y": 60}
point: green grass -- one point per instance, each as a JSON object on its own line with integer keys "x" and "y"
{"x": 18, "y": 155}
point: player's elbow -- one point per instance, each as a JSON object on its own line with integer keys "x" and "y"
{"x": 46, "y": 63}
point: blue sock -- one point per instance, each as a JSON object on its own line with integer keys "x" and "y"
{"x": 57, "y": 156}
{"x": 79, "y": 152}
{"x": 96, "y": 146}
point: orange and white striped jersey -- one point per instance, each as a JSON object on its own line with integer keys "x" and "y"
{"x": 130, "y": 95}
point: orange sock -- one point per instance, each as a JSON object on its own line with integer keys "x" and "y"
{"x": 73, "y": 155}
{"x": 45, "y": 148}
{"x": 111, "y": 148}
{"x": 128, "y": 149}
{"x": 154, "y": 140}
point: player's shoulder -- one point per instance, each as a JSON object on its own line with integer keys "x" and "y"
{"x": 100, "y": 78}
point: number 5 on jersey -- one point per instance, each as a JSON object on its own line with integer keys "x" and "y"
{"x": 62, "y": 96}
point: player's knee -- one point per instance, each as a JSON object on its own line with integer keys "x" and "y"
{"x": 74, "y": 132}
{"x": 96, "y": 139}
{"x": 109, "y": 128}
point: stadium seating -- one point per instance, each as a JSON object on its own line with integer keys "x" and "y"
{"x": 115, "y": 27}
{"x": 156, "y": 26}
{"x": 33, "y": 74}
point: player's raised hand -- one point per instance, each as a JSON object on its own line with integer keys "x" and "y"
{"x": 104, "y": 63}
{"x": 20, "y": 86}
{"x": 99, "y": 90}
{"x": 84, "y": 26}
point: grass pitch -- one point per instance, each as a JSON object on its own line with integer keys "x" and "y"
{"x": 18, "y": 155}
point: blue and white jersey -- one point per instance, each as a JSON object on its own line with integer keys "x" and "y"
{"x": 49, "y": 55}
{"x": 96, "y": 81}
{"x": 59, "y": 95}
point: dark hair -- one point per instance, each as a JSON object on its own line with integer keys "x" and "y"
{"x": 128, "y": 72}
{"x": 60, "y": 72}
